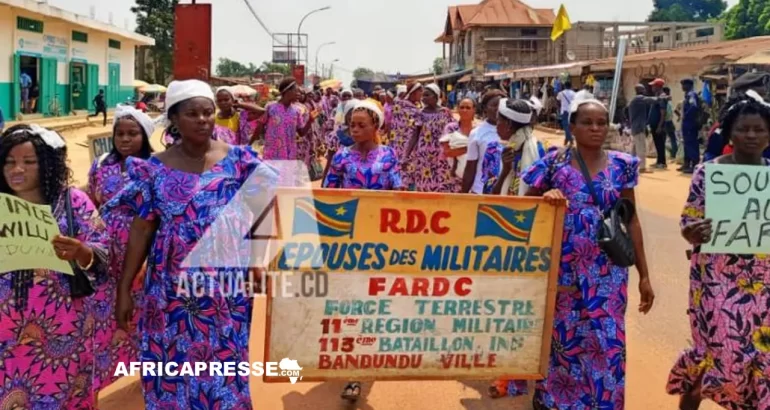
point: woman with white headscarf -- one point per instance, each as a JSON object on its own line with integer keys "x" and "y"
{"x": 406, "y": 120}
{"x": 428, "y": 168}
{"x": 175, "y": 197}
{"x": 171, "y": 134}
{"x": 234, "y": 115}
{"x": 132, "y": 130}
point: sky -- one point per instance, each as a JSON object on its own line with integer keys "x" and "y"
{"x": 390, "y": 36}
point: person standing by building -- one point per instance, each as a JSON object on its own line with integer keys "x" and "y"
{"x": 657, "y": 120}
{"x": 101, "y": 107}
{"x": 638, "y": 113}
{"x": 26, "y": 84}
{"x": 452, "y": 98}
{"x": 585, "y": 94}
{"x": 669, "y": 126}
{"x": 690, "y": 126}
{"x": 565, "y": 97}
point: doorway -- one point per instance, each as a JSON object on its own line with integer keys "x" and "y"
{"x": 29, "y": 76}
{"x": 79, "y": 81}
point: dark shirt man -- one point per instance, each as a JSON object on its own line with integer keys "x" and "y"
{"x": 101, "y": 106}
{"x": 638, "y": 113}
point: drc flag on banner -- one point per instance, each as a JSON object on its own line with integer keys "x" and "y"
{"x": 506, "y": 223}
{"x": 312, "y": 216}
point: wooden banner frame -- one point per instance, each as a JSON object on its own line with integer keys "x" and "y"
{"x": 552, "y": 283}
{"x": 93, "y": 153}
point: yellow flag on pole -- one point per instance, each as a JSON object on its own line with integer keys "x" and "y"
{"x": 561, "y": 24}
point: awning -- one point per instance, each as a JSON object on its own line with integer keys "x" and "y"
{"x": 499, "y": 75}
{"x": 573, "y": 69}
{"x": 759, "y": 58}
{"x": 432, "y": 78}
{"x": 465, "y": 79}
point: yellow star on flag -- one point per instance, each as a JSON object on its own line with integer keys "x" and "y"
{"x": 341, "y": 211}
{"x": 520, "y": 218}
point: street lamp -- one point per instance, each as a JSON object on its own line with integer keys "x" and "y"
{"x": 299, "y": 29}
{"x": 331, "y": 67}
{"x": 318, "y": 50}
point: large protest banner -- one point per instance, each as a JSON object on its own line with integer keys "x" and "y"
{"x": 738, "y": 203}
{"x": 420, "y": 286}
{"x": 26, "y": 231}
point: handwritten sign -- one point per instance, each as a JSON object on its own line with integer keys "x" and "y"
{"x": 26, "y": 231}
{"x": 55, "y": 47}
{"x": 420, "y": 286}
{"x": 738, "y": 202}
{"x": 99, "y": 144}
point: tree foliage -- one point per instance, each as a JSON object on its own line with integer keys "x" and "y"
{"x": 748, "y": 18}
{"x": 155, "y": 18}
{"x": 686, "y": 10}
{"x": 438, "y": 66}
{"x": 362, "y": 72}
{"x": 268, "y": 67}
{"x": 232, "y": 68}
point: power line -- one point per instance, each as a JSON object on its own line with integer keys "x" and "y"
{"x": 261, "y": 23}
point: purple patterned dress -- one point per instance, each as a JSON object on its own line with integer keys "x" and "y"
{"x": 111, "y": 345}
{"x": 428, "y": 169}
{"x": 281, "y": 126}
{"x": 588, "y": 347}
{"x": 491, "y": 166}
{"x": 729, "y": 321}
{"x": 379, "y": 170}
{"x": 406, "y": 119}
{"x": 220, "y": 134}
{"x": 47, "y": 349}
{"x": 241, "y": 136}
{"x": 184, "y": 326}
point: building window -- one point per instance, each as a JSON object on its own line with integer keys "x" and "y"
{"x": 79, "y": 36}
{"x": 678, "y": 36}
{"x": 704, "y": 32}
{"x": 469, "y": 44}
{"x": 23, "y": 23}
{"x": 529, "y": 32}
{"x": 657, "y": 39}
{"x": 115, "y": 44}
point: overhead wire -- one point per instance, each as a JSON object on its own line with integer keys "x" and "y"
{"x": 261, "y": 23}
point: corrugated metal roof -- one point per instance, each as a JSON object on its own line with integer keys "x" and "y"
{"x": 726, "y": 51}
{"x": 510, "y": 13}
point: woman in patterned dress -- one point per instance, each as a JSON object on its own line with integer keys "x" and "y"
{"x": 454, "y": 141}
{"x": 729, "y": 318}
{"x": 406, "y": 123}
{"x": 46, "y": 335}
{"x": 107, "y": 177}
{"x": 284, "y": 123}
{"x": 234, "y": 115}
{"x": 431, "y": 171}
{"x": 588, "y": 347}
{"x": 176, "y": 196}
{"x": 478, "y": 143}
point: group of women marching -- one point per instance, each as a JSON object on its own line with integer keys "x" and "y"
{"x": 131, "y": 232}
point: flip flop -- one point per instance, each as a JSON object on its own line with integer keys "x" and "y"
{"x": 355, "y": 391}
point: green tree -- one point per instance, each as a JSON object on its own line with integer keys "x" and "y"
{"x": 686, "y": 10}
{"x": 268, "y": 67}
{"x": 362, "y": 72}
{"x": 155, "y": 18}
{"x": 438, "y": 66}
{"x": 748, "y": 18}
{"x": 231, "y": 68}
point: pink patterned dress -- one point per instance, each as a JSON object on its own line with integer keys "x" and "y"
{"x": 406, "y": 119}
{"x": 379, "y": 170}
{"x": 47, "y": 348}
{"x": 111, "y": 345}
{"x": 729, "y": 320}
{"x": 220, "y": 134}
{"x": 281, "y": 126}
{"x": 429, "y": 169}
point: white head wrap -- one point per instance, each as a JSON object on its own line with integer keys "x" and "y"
{"x": 372, "y": 107}
{"x": 226, "y": 89}
{"x": 401, "y": 89}
{"x": 413, "y": 88}
{"x": 436, "y": 90}
{"x": 50, "y": 138}
{"x": 512, "y": 115}
{"x": 535, "y": 104}
{"x": 346, "y": 91}
{"x": 577, "y": 103}
{"x": 179, "y": 91}
{"x": 144, "y": 120}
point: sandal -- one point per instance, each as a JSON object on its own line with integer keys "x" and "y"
{"x": 352, "y": 391}
{"x": 498, "y": 389}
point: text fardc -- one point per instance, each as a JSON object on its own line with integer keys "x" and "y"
{"x": 198, "y": 369}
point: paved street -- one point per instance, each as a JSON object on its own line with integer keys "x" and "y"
{"x": 654, "y": 340}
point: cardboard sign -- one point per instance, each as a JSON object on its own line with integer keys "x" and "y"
{"x": 420, "y": 286}
{"x": 738, "y": 203}
{"x": 99, "y": 144}
{"x": 26, "y": 232}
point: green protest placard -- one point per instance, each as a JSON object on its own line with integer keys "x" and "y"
{"x": 738, "y": 203}
{"x": 26, "y": 231}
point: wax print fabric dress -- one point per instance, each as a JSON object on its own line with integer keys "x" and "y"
{"x": 111, "y": 345}
{"x": 281, "y": 126}
{"x": 242, "y": 129}
{"x": 588, "y": 350}
{"x": 729, "y": 316}
{"x": 220, "y": 133}
{"x": 180, "y": 324}
{"x": 429, "y": 169}
{"x": 378, "y": 170}
{"x": 406, "y": 119}
{"x": 491, "y": 166}
{"x": 47, "y": 348}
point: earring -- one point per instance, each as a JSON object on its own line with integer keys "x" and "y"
{"x": 174, "y": 130}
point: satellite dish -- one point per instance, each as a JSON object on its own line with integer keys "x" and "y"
{"x": 571, "y": 55}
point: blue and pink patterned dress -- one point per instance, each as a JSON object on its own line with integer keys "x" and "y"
{"x": 111, "y": 345}
{"x": 179, "y": 326}
{"x": 588, "y": 347}
{"x": 47, "y": 348}
{"x": 282, "y": 124}
{"x": 379, "y": 170}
